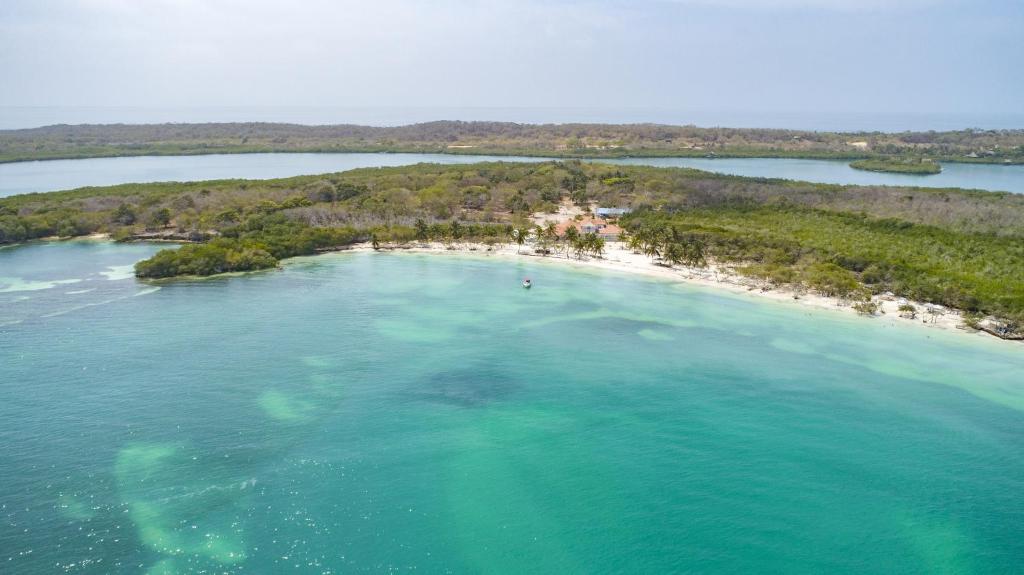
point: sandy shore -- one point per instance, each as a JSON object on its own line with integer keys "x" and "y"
{"x": 618, "y": 258}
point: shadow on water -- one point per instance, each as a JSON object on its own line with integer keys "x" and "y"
{"x": 478, "y": 385}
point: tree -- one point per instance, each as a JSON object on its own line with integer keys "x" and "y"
{"x": 694, "y": 253}
{"x": 571, "y": 235}
{"x": 674, "y": 254}
{"x": 162, "y": 217}
{"x": 455, "y": 230}
{"x": 421, "y": 229}
{"x": 542, "y": 239}
{"x": 520, "y": 235}
{"x": 551, "y": 229}
{"x": 651, "y": 248}
{"x": 551, "y": 233}
{"x": 634, "y": 240}
{"x": 12, "y": 230}
{"x": 579, "y": 246}
{"x": 595, "y": 244}
{"x": 124, "y": 215}
{"x": 517, "y": 204}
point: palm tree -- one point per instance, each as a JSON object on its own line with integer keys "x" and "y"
{"x": 551, "y": 230}
{"x": 635, "y": 244}
{"x": 694, "y": 254}
{"x": 651, "y": 248}
{"x": 519, "y": 235}
{"x": 421, "y": 229}
{"x": 674, "y": 254}
{"x": 641, "y": 240}
{"x": 596, "y": 244}
{"x": 508, "y": 232}
{"x": 579, "y": 246}
{"x": 542, "y": 238}
{"x": 571, "y": 235}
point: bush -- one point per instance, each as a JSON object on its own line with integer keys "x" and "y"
{"x": 124, "y": 215}
{"x": 774, "y": 273}
{"x": 973, "y": 320}
{"x": 831, "y": 280}
{"x": 867, "y": 307}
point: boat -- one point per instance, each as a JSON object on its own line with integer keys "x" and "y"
{"x": 527, "y": 283}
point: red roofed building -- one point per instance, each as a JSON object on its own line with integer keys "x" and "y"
{"x": 610, "y": 232}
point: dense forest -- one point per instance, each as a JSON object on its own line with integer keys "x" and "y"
{"x": 561, "y": 140}
{"x": 963, "y": 249}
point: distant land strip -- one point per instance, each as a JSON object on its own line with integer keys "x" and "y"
{"x": 505, "y": 138}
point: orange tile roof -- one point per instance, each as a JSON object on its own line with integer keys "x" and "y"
{"x": 606, "y": 228}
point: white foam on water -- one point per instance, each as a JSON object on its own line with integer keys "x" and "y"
{"x": 8, "y": 285}
{"x": 83, "y": 306}
{"x": 654, "y": 335}
{"x": 124, "y": 272}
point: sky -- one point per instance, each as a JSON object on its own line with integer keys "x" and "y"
{"x": 847, "y": 56}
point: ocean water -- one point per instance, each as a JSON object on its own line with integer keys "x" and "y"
{"x": 52, "y": 175}
{"x": 399, "y": 412}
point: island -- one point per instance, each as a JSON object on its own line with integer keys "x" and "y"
{"x": 918, "y": 166}
{"x": 943, "y": 247}
{"x": 510, "y": 139}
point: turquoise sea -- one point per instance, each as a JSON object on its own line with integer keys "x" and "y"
{"x": 375, "y": 413}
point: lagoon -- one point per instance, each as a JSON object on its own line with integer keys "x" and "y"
{"x": 52, "y": 175}
{"x": 371, "y": 412}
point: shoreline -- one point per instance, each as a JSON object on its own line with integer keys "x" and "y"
{"x": 620, "y": 259}
{"x": 543, "y": 154}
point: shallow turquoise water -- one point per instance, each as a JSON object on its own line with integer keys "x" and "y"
{"x": 48, "y": 176}
{"x": 398, "y": 412}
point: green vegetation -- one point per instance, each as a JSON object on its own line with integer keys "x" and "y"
{"x": 919, "y": 166}
{"x": 958, "y": 248}
{"x": 851, "y": 255}
{"x": 257, "y": 244}
{"x": 564, "y": 140}
{"x": 218, "y": 256}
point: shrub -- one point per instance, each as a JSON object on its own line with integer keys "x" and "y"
{"x": 867, "y": 307}
{"x": 830, "y": 279}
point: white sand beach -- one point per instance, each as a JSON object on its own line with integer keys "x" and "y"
{"x": 619, "y": 258}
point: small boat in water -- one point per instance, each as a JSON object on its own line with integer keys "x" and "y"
{"x": 527, "y": 283}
